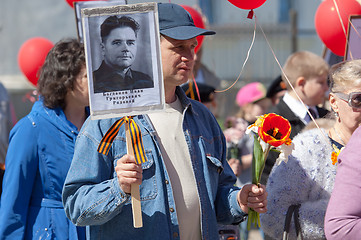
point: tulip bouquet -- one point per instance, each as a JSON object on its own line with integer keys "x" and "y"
{"x": 272, "y": 132}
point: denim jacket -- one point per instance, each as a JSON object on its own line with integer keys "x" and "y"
{"x": 92, "y": 196}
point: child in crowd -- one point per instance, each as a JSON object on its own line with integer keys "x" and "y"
{"x": 253, "y": 102}
{"x": 307, "y": 73}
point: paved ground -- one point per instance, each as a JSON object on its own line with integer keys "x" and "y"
{"x": 254, "y": 235}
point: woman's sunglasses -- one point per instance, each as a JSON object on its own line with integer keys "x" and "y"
{"x": 353, "y": 99}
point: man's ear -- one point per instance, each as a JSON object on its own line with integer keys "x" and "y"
{"x": 102, "y": 48}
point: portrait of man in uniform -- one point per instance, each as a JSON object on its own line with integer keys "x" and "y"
{"x": 123, "y": 61}
{"x": 119, "y": 35}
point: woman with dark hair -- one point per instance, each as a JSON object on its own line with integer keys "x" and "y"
{"x": 41, "y": 149}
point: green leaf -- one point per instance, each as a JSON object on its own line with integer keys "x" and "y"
{"x": 253, "y": 218}
{"x": 257, "y": 161}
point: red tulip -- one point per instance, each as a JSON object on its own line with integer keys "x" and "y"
{"x": 274, "y": 129}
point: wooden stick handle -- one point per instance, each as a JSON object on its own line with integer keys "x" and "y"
{"x": 134, "y": 191}
{"x": 136, "y": 206}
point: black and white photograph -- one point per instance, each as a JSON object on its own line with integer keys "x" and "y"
{"x": 78, "y": 6}
{"x": 123, "y": 59}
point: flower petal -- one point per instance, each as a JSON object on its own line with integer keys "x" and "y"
{"x": 274, "y": 129}
{"x": 252, "y": 128}
{"x": 264, "y": 145}
{"x": 285, "y": 150}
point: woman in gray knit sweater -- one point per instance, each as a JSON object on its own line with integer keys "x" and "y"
{"x": 308, "y": 176}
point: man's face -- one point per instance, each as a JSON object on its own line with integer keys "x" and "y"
{"x": 177, "y": 60}
{"x": 120, "y": 47}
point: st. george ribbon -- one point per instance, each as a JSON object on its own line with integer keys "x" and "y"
{"x": 135, "y": 148}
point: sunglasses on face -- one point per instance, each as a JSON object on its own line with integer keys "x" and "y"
{"x": 353, "y": 99}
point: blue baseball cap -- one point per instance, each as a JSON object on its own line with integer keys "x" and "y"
{"x": 175, "y": 22}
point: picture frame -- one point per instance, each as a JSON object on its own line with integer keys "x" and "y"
{"x": 330, "y": 57}
{"x": 78, "y": 6}
{"x": 353, "y": 50}
{"x": 110, "y": 95}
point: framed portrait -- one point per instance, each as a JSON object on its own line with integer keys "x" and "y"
{"x": 123, "y": 60}
{"x": 330, "y": 57}
{"x": 78, "y": 6}
{"x": 353, "y": 50}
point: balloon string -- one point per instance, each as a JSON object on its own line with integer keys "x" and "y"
{"x": 358, "y": 34}
{"x": 354, "y": 28}
{"x": 343, "y": 27}
{"x": 289, "y": 83}
{"x": 339, "y": 16}
{"x": 244, "y": 63}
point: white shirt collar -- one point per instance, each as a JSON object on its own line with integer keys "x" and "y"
{"x": 297, "y": 108}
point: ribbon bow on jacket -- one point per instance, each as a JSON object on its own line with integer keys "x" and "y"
{"x": 135, "y": 135}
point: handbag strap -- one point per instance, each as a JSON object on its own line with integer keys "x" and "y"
{"x": 297, "y": 222}
{"x": 292, "y": 210}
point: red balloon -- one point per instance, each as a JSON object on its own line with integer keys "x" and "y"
{"x": 328, "y": 25}
{"x": 71, "y": 2}
{"x": 198, "y": 22}
{"x": 32, "y": 55}
{"x": 247, "y": 4}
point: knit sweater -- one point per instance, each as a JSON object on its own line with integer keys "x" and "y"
{"x": 307, "y": 179}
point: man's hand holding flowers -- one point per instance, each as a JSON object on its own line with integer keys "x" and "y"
{"x": 253, "y": 196}
{"x": 271, "y": 133}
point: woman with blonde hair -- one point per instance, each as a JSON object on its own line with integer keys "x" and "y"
{"x": 306, "y": 180}
{"x": 343, "y": 215}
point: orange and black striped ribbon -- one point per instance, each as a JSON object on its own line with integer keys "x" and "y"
{"x": 135, "y": 135}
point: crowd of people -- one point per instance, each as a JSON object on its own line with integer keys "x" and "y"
{"x": 197, "y": 177}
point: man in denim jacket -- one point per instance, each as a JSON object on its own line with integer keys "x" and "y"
{"x": 186, "y": 186}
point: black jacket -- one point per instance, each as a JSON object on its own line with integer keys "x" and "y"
{"x": 106, "y": 79}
